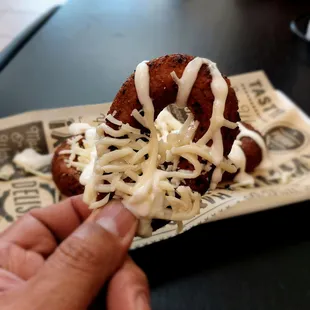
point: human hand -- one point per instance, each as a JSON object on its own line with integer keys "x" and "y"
{"x": 39, "y": 273}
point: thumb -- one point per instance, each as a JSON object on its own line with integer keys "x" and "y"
{"x": 79, "y": 267}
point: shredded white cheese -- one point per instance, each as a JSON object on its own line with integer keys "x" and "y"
{"x": 82, "y": 155}
{"x": 145, "y": 167}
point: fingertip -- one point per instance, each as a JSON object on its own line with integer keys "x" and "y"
{"x": 129, "y": 289}
{"x": 118, "y": 220}
{"x": 80, "y": 206}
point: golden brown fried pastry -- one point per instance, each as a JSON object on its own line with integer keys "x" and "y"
{"x": 156, "y": 177}
{"x": 66, "y": 178}
{"x": 163, "y": 91}
{"x": 251, "y": 149}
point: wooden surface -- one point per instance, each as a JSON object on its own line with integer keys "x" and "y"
{"x": 86, "y": 51}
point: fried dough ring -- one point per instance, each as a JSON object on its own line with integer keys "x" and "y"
{"x": 163, "y": 91}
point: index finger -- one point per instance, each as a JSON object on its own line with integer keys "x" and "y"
{"x": 41, "y": 230}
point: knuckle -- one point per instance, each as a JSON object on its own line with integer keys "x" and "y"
{"x": 76, "y": 254}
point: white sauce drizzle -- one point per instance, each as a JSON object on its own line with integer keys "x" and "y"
{"x": 239, "y": 159}
{"x": 151, "y": 192}
{"x": 245, "y": 132}
{"x": 143, "y": 187}
{"x": 86, "y": 155}
{"x": 166, "y": 123}
{"x": 78, "y": 128}
{"x": 186, "y": 82}
{"x": 90, "y": 137}
{"x": 220, "y": 90}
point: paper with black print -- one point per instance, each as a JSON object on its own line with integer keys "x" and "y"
{"x": 285, "y": 129}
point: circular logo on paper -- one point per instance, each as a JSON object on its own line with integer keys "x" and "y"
{"x": 284, "y": 138}
{"x": 21, "y": 196}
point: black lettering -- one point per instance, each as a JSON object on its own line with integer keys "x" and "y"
{"x": 244, "y": 108}
{"x": 34, "y": 130}
{"x": 222, "y": 196}
{"x": 258, "y": 92}
{"x": 286, "y": 168}
{"x": 264, "y": 100}
{"x": 33, "y": 137}
{"x": 245, "y": 113}
{"x": 257, "y": 83}
{"x": 209, "y": 199}
{"x": 22, "y": 210}
{"x": 60, "y": 123}
{"x": 26, "y": 191}
{"x": 27, "y": 203}
{"x": 100, "y": 119}
{"x": 266, "y": 181}
{"x": 24, "y": 184}
{"x": 270, "y": 107}
{"x": 3, "y": 212}
{"x": 300, "y": 166}
{"x": 17, "y": 199}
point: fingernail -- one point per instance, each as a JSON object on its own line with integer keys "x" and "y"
{"x": 142, "y": 302}
{"x": 116, "y": 219}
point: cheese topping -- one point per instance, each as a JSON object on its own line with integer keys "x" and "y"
{"x": 83, "y": 150}
{"x": 32, "y": 162}
{"x": 219, "y": 89}
{"x": 166, "y": 123}
{"x": 78, "y": 128}
{"x": 142, "y": 169}
{"x": 238, "y": 157}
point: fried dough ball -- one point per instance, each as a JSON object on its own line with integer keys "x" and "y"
{"x": 163, "y": 91}
{"x": 66, "y": 178}
{"x": 252, "y": 151}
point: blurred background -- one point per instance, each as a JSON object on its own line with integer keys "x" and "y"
{"x": 17, "y": 15}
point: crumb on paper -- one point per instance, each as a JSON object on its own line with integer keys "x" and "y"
{"x": 6, "y": 172}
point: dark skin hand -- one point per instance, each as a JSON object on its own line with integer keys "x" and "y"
{"x": 59, "y": 257}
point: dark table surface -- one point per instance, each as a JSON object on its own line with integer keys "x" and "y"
{"x": 84, "y": 53}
